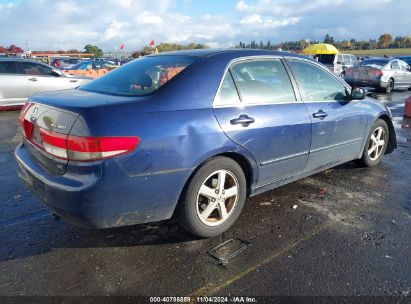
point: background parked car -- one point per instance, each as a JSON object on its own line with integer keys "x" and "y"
{"x": 382, "y": 74}
{"x": 405, "y": 58}
{"x": 90, "y": 68}
{"x": 63, "y": 62}
{"x": 91, "y": 65}
{"x": 337, "y": 63}
{"x": 21, "y": 78}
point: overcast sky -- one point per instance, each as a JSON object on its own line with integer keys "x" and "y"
{"x": 66, "y": 24}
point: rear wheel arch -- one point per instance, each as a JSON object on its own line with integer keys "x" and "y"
{"x": 241, "y": 160}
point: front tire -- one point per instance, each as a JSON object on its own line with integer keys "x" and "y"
{"x": 214, "y": 198}
{"x": 376, "y": 144}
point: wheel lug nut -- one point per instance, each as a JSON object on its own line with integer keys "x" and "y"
{"x": 216, "y": 192}
{"x": 223, "y": 191}
{"x": 213, "y": 200}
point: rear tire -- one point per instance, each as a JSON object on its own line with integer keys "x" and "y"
{"x": 390, "y": 86}
{"x": 214, "y": 198}
{"x": 376, "y": 144}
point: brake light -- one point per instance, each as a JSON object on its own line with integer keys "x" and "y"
{"x": 377, "y": 72}
{"x": 26, "y": 125}
{"x": 54, "y": 143}
{"x": 78, "y": 148}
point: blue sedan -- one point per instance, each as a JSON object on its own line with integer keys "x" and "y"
{"x": 191, "y": 134}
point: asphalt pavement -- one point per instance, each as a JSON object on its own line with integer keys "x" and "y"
{"x": 345, "y": 232}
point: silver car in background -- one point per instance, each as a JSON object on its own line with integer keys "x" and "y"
{"x": 382, "y": 74}
{"x": 337, "y": 63}
{"x": 20, "y": 78}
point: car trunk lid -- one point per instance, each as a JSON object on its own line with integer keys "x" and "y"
{"x": 37, "y": 122}
{"x": 363, "y": 74}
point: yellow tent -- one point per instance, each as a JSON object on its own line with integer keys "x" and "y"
{"x": 321, "y": 48}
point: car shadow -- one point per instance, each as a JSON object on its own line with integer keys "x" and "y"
{"x": 47, "y": 233}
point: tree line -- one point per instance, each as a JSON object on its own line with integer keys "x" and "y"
{"x": 167, "y": 47}
{"x": 383, "y": 42}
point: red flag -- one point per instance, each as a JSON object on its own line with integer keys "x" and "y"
{"x": 151, "y": 44}
{"x": 122, "y": 46}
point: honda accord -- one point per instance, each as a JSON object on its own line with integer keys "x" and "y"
{"x": 191, "y": 134}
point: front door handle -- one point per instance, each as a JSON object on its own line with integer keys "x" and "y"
{"x": 33, "y": 79}
{"x": 320, "y": 114}
{"x": 243, "y": 120}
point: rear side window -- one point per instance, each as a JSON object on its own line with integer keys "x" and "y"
{"x": 140, "y": 77}
{"x": 227, "y": 95}
{"x": 395, "y": 65}
{"x": 317, "y": 84}
{"x": 8, "y": 67}
{"x": 347, "y": 59}
{"x": 35, "y": 69}
{"x": 263, "y": 81}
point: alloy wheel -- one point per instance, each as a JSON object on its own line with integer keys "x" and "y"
{"x": 376, "y": 143}
{"x": 217, "y": 198}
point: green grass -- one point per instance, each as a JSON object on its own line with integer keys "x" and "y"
{"x": 380, "y": 52}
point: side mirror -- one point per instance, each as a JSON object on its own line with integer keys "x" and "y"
{"x": 358, "y": 93}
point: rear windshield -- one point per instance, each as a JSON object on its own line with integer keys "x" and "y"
{"x": 379, "y": 63}
{"x": 140, "y": 77}
{"x": 325, "y": 58}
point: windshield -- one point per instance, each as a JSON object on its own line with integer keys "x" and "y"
{"x": 140, "y": 77}
{"x": 325, "y": 58}
{"x": 378, "y": 63}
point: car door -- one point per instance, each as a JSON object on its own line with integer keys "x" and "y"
{"x": 257, "y": 108}
{"x": 13, "y": 83}
{"x": 338, "y": 124}
{"x": 406, "y": 74}
{"x": 397, "y": 73}
{"x": 42, "y": 78}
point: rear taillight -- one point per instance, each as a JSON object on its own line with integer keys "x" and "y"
{"x": 77, "y": 148}
{"x": 54, "y": 143}
{"x": 26, "y": 125}
{"x": 377, "y": 73}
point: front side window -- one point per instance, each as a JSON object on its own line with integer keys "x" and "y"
{"x": 263, "y": 81}
{"x": 317, "y": 83}
{"x": 227, "y": 94}
{"x": 35, "y": 69}
{"x": 141, "y": 77}
{"x": 8, "y": 67}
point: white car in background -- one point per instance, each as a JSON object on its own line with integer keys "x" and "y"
{"x": 20, "y": 78}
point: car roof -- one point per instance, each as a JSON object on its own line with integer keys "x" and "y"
{"x": 232, "y": 52}
{"x": 21, "y": 60}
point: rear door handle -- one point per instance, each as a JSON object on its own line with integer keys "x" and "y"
{"x": 73, "y": 80}
{"x": 243, "y": 120}
{"x": 33, "y": 79}
{"x": 320, "y": 114}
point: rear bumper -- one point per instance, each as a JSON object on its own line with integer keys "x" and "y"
{"x": 103, "y": 195}
{"x": 369, "y": 84}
